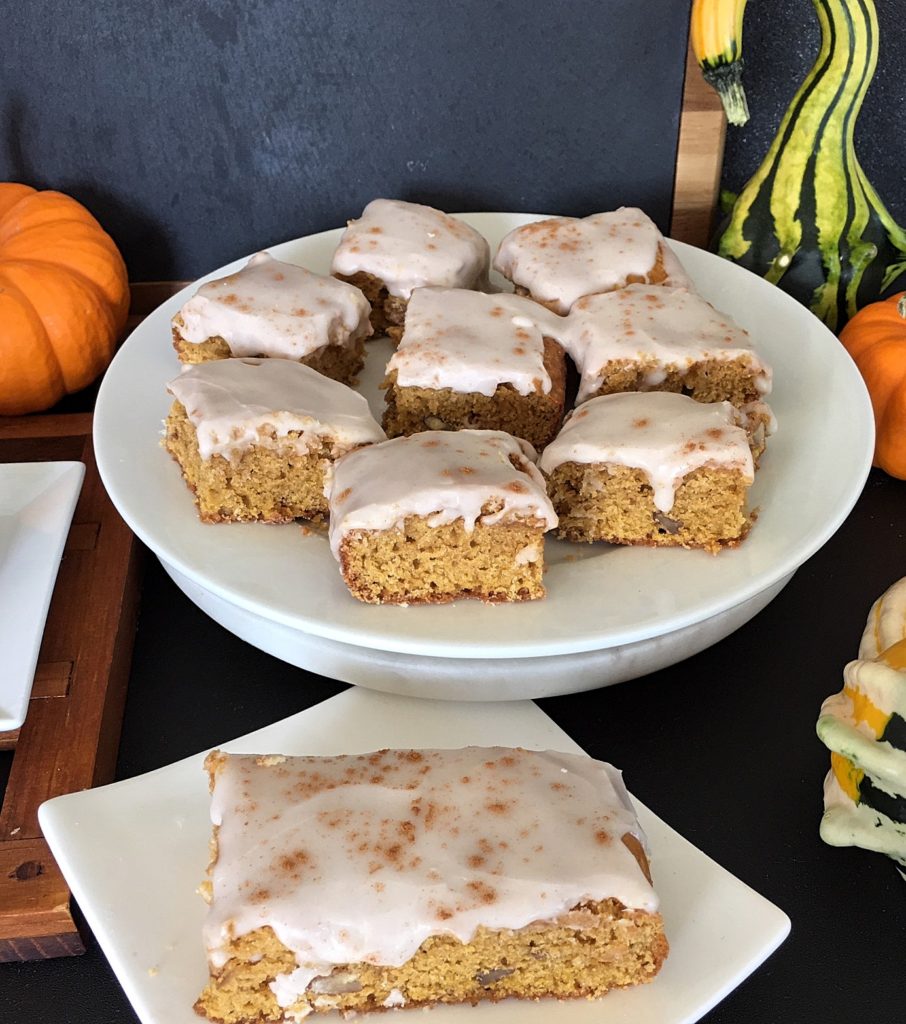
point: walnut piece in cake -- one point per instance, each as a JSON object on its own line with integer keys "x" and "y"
{"x": 278, "y": 310}
{"x": 558, "y": 261}
{"x": 440, "y": 516}
{"x": 468, "y": 359}
{"x": 651, "y": 468}
{"x": 254, "y": 437}
{"x": 415, "y": 877}
{"x": 395, "y": 247}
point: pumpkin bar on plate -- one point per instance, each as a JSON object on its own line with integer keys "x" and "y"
{"x": 651, "y": 468}
{"x": 558, "y": 261}
{"x": 439, "y": 516}
{"x": 467, "y": 359}
{"x": 662, "y": 339}
{"x": 395, "y": 247}
{"x": 254, "y": 437}
{"x": 408, "y": 878}
{"x": 276, "y": 310}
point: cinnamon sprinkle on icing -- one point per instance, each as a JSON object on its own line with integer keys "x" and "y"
{"x": 388, "y": 876}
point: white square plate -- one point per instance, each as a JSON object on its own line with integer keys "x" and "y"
{"x": 37, "y": 500}
{"x": 134, "y": 853}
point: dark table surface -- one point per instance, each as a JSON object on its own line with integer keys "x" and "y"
{"x": 722, "y": 746}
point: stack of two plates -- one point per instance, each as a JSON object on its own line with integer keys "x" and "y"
{"x": 611, "y": 613}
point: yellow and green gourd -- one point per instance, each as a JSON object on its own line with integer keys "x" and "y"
{"x": 809, "y": 220}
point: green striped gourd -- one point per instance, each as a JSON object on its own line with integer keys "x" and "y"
{"x": 809, "y": 220}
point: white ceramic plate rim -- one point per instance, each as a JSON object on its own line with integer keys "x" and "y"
{"x": 134, "y": 852}
{"x": 36, "y": 507}
{"x": 606, "y": 597}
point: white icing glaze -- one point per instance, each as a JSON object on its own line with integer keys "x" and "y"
{"x": 886, "y": 623}
{"x": 235, "y": 403}
{"x": 472, "y": 342}
{"x": 276, "y": 309}
{"x": 410, "y": 246}
{"x": 561, "y": 259}
{"x": 439, "y": 475}
{"x": 360, "y": 858}
{"x": 754, "y": 413}
{"x": 287, "y": 987}
{"x": 676, "y": 272}
{"x": 665, "y": 328}
{"x": 665, "y": 435}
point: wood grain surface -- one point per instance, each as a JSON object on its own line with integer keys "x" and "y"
{"x": 699, "y": 157}
{"x": 70, "y": 736}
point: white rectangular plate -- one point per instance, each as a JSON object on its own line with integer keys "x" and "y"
{"x": 134, "y": 853}
{"x": 37, "y": 500}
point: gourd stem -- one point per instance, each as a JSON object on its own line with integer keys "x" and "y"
{"x": 726, "y": 80}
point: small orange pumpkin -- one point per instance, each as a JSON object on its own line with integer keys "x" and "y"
{"x": 64, "y": 298}
{"x": 876, "y": 339}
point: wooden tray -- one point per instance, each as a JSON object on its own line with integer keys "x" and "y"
{"x": 70, "y": 736}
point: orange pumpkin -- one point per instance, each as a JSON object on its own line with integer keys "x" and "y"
{"x": 64, "y": 298}
{"x": 876, "y": 339}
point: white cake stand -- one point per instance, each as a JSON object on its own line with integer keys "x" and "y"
{"x": 611, "y": 614}
{"x": 471, "y": 678}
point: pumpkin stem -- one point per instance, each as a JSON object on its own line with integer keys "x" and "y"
{"x": 901, "y": 306}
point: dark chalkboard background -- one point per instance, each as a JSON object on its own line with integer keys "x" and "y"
{"x": 200, "y": 131}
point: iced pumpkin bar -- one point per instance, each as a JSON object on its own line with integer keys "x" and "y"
{"x": 254, "y": 437}
{"x": 652, "y": 468}
{"x": 467, "y": 359}
{"x": 396, "y": 247}
{"x": 663, "y": 339}
{"x": 559, "y": 260}
{"x": 439, "y": 516}
{"x": 276, "y": 310}
{"x": 407, "y": 878}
